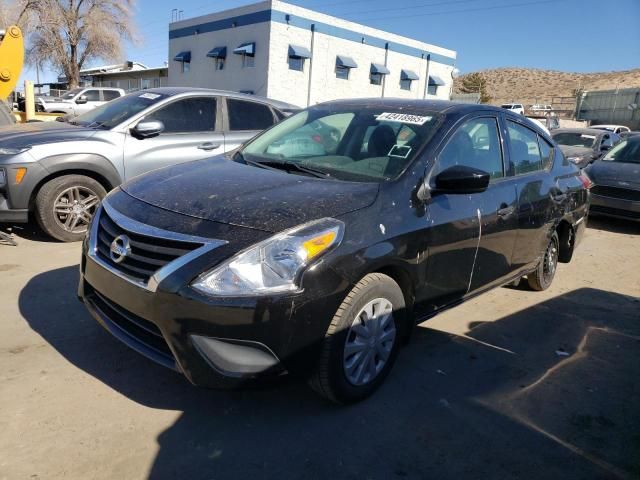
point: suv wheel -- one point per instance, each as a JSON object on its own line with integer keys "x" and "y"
{"x": 362, "y": 341}
{"x": 65, "y": 206}
{"x": 543, "y": 276}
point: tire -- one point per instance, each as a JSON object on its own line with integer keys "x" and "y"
{"x": 546, "y": 270}
{"x": 330, "y": 378}
{"x": 68, "y": 224}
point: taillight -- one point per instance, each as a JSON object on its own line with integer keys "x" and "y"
{"x": 317, "y": 138}
{"x": 586, "y": 181}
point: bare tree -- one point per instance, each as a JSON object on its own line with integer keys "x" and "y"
{"x": 66, "y": 34}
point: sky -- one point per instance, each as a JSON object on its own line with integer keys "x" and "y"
{"x": 566, "y": 35}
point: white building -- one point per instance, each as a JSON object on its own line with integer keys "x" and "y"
{"x": 303, "y": 57}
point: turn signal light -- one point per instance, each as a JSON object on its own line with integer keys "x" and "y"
{"x": 20, "y": 173}
{"x": 317, "y": 245}
{"x": 586, "y": 181}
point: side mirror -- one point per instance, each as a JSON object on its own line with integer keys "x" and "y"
{"x": 147, "y": 129}
{"x": 461, "y": 180}
{"x": 605, "y": 148}
{"x": 82, "y": 99}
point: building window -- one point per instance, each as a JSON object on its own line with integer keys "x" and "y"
{"x": 145, "y": 83}
{"x": 219, "y": 64}
{"x": 342, "y": 72}
{"x": 185, "y": 67}
{"x": 405, "y": 84}
{"x": 432, "y": 89}
{"x": 248, "y": 61}
{"x": 375, "y": 78}
{"x": 296, "y": 63}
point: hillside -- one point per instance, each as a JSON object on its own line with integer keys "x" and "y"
{"x": 527, "y": 85}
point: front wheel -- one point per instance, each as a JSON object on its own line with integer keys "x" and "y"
{"x": 362, "y": 341}
{"x": 65, "y": 206}
{"x": 543, "y": 276}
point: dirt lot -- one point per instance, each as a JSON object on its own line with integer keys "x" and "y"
{"x": 483, "y": 391}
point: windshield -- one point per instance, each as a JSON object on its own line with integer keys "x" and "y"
{"x": 575, "y": 139}
{"x": 117, "y": 111}
{"x": 627, "y": 151}
{"x": 347, "y": 143}
{"x": 71, "y": 93}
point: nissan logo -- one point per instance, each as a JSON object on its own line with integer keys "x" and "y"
{"x": 120, "y": 248}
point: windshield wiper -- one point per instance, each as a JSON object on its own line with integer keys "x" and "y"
{"x": 285, "y": 165}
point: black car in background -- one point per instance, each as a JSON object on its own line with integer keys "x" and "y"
{"x": 584, "y": 145}
{"x": 317, "y": 261}
{"x": 616, "y": 178}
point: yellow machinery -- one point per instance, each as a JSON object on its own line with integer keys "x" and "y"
{"x": 11, "y": 59}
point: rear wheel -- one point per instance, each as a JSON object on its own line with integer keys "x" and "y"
{"x": 543, "y": 276}
{"x": 362, "y": 341}
{"x": 65, "y": 206}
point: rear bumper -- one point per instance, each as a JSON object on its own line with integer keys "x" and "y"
{"x": 615, "y": 207}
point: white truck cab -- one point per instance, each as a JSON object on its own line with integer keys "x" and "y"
{"x": 81, "y": 100}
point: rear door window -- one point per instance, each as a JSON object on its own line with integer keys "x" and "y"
{"x": 245, "y": 115}
{"x": 110, "y": 95}
{"x": 546, "y": 152}
{"x": 524, "y": 151}
{"x": 189, "y": 115}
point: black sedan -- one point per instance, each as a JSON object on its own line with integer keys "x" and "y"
{"x": 582, "y": 146}
{"x": 616, "y": 178}
{"x": 318, "y": 262}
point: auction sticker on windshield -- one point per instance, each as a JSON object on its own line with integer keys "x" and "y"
{"x": 403, "y": 118}
{"x": 150, "y": 96}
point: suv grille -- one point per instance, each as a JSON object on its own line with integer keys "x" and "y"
{"x": 148, "y": 254}
{"x": 616, "y": 192}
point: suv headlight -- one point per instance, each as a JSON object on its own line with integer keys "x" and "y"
{"x": 273, "y": 265}
{"x": 13, "y": 151}
{"x": 574, "y": 159}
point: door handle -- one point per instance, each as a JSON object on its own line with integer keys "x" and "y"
{"x": 505, "y": 210}
{"x": 208, "y": 146}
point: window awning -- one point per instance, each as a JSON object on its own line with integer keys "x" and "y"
{"x": 346, "y": 62}
{"x": 408, "y": 75}
{"x": 246, "y": 49}
{"x": 218, "y": 52}
{"x": 299, "y": 52}
{"x": 183, "y": 57}
{"x": 378, "y": 68}
{"x": 435, "y": 80}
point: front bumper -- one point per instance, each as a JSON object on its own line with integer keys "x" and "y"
{"x": 615, "y": 207}
{"x": 15, "y": 197}
{"x": 245, "y": 339}
{"x": 12, "y": 215}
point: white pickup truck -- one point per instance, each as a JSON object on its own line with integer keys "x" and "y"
{"x": 81, "y": 100}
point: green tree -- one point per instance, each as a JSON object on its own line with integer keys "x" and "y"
{"x": 475, "y": 83}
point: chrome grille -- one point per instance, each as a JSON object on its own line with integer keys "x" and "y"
{"x": 148, "y": 254}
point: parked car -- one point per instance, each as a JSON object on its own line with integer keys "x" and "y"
{"x": 617, "y": 129}
{"x": 82, "y": 100}
{"x": 541, "y": 109}
{"x": 616, "y": 178}
{"x": 39, "y": 100}
{"x": 624, "y": 135}
{"x": 514, "y": 107}
{"x": 584, "y": 145}
{"x": 61, "y": 170}
{"x": 252, "y": 264}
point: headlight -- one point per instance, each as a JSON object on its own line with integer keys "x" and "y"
{"x": 13, "y": 151}
{"x": 274, "y": 265}
{"x": 574, "y": 159}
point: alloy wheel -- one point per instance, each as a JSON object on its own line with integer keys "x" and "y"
{"x": 74, "y": 207}
{"x": 550, "y": 260}
{"x": 369, "y": 342}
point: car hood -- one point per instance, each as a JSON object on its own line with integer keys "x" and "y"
{"x": 575, "y": 151}
{"x": 615, "y": 174}
{"x": 221, "y": 190}
{"x": 37, "y": 133}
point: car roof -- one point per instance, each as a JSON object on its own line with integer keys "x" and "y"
{"x": 438, "y": 106}
{"x": 174, "y": 91}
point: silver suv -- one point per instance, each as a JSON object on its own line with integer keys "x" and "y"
{"x": 81, "y": 100}
{"x": 60, "y": 171}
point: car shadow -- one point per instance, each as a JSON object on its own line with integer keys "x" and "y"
{"x": 547, "y": 392}
{"x": 28, "y": 231}
{"x": 614, "y": 225}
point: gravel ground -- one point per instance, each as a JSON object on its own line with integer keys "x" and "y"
{"x": 514, "y": 384}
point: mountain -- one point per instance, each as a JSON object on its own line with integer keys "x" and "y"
{"x": 529, "y": 85}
